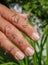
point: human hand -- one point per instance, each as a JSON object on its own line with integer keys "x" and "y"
{"x": 11, "y": 39}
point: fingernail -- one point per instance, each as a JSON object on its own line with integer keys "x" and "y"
{"x": 29, "y": 51}
{"x": 19, "y": 55}
{"x": 35, "y": 36}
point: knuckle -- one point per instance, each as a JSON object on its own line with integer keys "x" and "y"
{"x": 15, "y": 18}
{"x": 11, "y": 49}
{"x": 8, "y": 29}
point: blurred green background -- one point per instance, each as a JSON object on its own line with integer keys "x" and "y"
{"x": 37, "y": 11}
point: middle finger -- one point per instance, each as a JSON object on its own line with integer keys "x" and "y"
{"x": 13, "y": 34}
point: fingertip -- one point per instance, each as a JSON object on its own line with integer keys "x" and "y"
{"x": 24, "y": 15}
{"x": 29, "y": 51}
{"x": 35, "y": 36}
{"x": 19, "y": 55}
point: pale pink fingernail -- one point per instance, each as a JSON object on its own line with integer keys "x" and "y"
{"x": 35, "y": 36}
{"x": 19, "y": 55}
{"x": 29, "y": 51}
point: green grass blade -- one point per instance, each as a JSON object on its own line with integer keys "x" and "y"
{"x": 34, "y": 56}
{"x": 47, "y": 51}
{"x": 9, "y": 63}
{"x": 21, "y": 62}
{"x": 26, "y": 60}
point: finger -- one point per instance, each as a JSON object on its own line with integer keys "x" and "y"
{"x": 14, "y": 35}
{"x": 10, "y": 48}
{"x": 21, "y": 15}
{"x": 19, "y": 22}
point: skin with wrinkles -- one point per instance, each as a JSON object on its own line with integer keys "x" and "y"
{"x": 17, "y": 20}
{"x": 11, "y": 23}
{"x": 13, "y": 34}
{"x": 8, "y": 46}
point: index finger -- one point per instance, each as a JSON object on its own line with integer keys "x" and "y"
{"x": 19, "y": 22}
